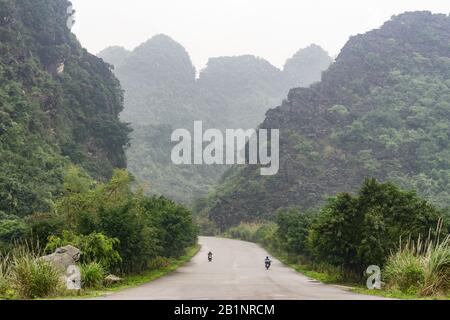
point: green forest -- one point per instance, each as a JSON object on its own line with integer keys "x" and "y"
{"x": 62, "y": 162}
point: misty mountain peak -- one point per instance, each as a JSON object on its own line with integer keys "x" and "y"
{"x": 160, "y": 60}
{"x": 306, "y": 66}
{"x": 244, "y": 69}
{"x": 114, "y": 55}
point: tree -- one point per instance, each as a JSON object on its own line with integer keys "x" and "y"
{"x": 354, "y": 232}
{"x": 293, "y": 230}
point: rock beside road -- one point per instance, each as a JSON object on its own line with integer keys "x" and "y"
{"x": 63, "y": 257}
{"x": 112, "y": 279}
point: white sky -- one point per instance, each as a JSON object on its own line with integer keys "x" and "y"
{"x": 272, "y": 29}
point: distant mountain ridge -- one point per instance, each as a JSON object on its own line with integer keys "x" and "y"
{"x": 162, "y": 93}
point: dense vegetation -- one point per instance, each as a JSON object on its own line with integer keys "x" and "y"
{"x": 382, "y": 110}
{"x": 58, "y": 105}
{"x": 116, "y": 229}
{"x": 162, "y": 94}
{"x": 351, "y": 232}
{"x": 61, "y": 160}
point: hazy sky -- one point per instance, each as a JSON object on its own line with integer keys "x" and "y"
{"x": 272, "y": 29}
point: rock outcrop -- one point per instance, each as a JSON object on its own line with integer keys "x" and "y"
{"x": 63, "y": 257}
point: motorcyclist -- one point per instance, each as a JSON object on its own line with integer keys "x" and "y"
{"x": 210, "y": 256}
{"x": 267, "y": 262}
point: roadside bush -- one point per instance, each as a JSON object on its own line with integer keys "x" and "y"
{"x": 158, "y": 263}
{"x": 31, "y": 277}
{"x": 92, "y": 275}
{"x": 174, "y": 225}
{"x": 266, "y": 235}
{"x": 263, "y": 233}
{"x": 95, "y": 247}
{"x": 354, "y": 232}
{"x": 12, "y": 230}
{"x": 207, "y": 227}
{"x": 244, "y": 231}
{"x": 293, "y": 231}
{"x": 138, "y": 240}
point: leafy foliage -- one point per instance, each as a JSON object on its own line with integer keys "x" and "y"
{"x": 58, "y": 105}
{"x": 354, "y": 232}
{"x": 94, "y": 247}
{"x": 119, "y": 228}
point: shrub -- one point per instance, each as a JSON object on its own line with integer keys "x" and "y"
{"x": 92, "y": 275}
{"x": 31, "y": 277}
{"x": 244, "y": 231}
{"x": 175, "y": 227}
{"x": 355, "y": 231}
{"x": 158, "y": 263}
{"x": 293, "y": 231}
{"x": 12, "y": 230}
{"x": 266, "y": 235}
{"x": 95, "y": 247}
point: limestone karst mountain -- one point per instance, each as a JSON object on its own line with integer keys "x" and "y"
{"x": 162, "y": 93}
{"x": 381, "y": 110}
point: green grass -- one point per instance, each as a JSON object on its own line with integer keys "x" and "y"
{"x": 132, "y": 281}
{"x": 333, "y": 279}
{"x": 393, "y": 294}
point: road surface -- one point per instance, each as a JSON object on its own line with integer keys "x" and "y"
{"x": 236, "y": 273}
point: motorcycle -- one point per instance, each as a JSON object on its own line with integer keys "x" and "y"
{"x": 210, "y": 257}
{"x": 268, "y": 264}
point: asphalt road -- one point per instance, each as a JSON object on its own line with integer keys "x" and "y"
{"x": 236, "y": 273}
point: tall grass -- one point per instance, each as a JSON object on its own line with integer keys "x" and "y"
{"x": 421, "y": 266}
{"x": 29, "y": 276}
{"x": 4, "y": 275}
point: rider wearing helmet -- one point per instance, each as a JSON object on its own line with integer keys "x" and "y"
{"x": 267, "y": 262}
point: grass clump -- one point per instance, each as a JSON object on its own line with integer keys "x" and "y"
{"x": 4, "y": 275}
{"x": 420, "y": 267}
{"x": 31, "y": 277}
{"x": 92, "y": 275}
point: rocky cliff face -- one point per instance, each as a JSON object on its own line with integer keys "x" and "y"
{"x": 58, "y": 105}
{"x": 382, "y": 110}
